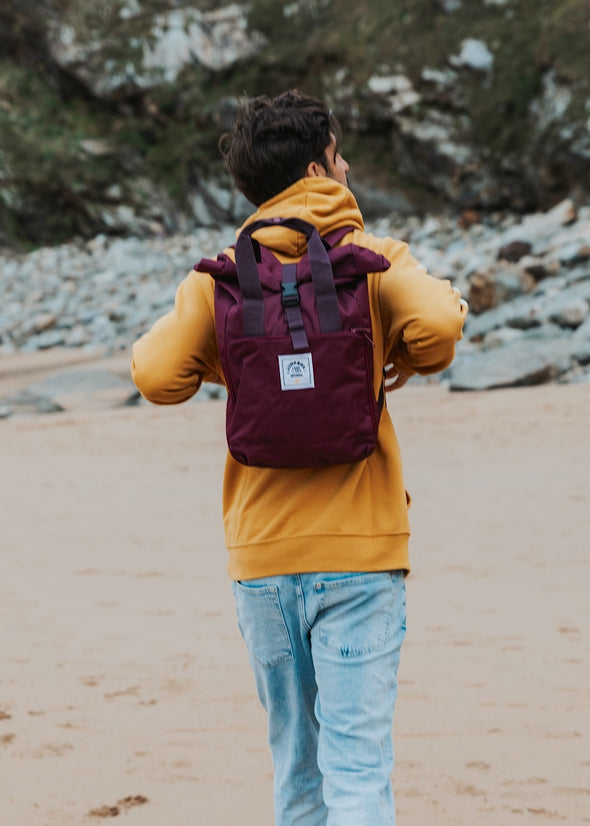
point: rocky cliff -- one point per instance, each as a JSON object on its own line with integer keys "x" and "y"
{"x": 110, "y": 111}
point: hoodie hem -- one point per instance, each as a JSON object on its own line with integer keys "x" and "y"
{"x": 311, "y": 554}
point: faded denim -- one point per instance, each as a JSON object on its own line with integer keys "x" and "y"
{"x": 325, "y": 650}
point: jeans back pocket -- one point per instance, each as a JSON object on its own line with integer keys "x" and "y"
{"x": 262, "y": 623}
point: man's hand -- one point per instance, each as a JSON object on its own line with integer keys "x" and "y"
{"x": 394, "y": 378}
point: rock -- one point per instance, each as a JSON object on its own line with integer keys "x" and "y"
{"x": 96, "y": 149}
{"x": 397, "y": 91}
{"x": 522, "y": 313}
{"x": 469, "y": 218}
{"x": 44, "y": 341}
{"x": 175, "y": 39}
{"x": 517, "y": 364}
{"x": 538, "y": 230}
{"x": 27, "y": 402}
{"x": 439, "y": 133}
{"x": 583, "y": 331}
{"x": 475, "y": 55}
{"x": 502, "y": 336}
{"x": 577, "y": 375}
{"x": 514, "y": 251}
{"x": 573, "y": 253}
{"x": 433, "y": 147}
{"x": 449, "y": 6}
{"x": 545, "y": 304}
{"x": 39, "y": 324}
{"x": 482, "y": 292}
{"x": 209, "y": 391}
{"x": 129, "y": 8}
{"x": 489, "y": 289}
{"x": 539, "y": 267}
{"x": 440, "y": 88}
{"x": 569, "y": 311}
{"x": 75, "y": 389}
{"x": 581, "y": 353}
{"x": 374, "y": 201}
{"x": 552, "y": 104}
{"x": 215, "y": 39}
{"x": 389, "y": 84}
{"x": 78, "y": 336}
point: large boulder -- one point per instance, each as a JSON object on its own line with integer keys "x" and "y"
{"x": 140, "y": 51}
{"x": 518, "y": 363}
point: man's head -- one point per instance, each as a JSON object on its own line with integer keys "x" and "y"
{"x": 276, "y": 141}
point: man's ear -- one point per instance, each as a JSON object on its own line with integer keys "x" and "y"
{"x": 315, "y": 170}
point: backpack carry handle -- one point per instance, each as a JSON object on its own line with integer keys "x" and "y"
{"x": 321, "y": 275}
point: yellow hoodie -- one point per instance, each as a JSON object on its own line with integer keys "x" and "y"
{"x": 342, "y": 518}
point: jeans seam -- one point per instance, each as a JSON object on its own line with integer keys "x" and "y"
{"x": 301, "y": 603}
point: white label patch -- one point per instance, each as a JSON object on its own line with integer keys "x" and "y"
{"x": 296, "y": 371}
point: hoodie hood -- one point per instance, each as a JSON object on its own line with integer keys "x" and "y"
{"x": 319, "y": 201}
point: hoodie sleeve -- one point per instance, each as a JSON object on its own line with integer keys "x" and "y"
{"x": 180, "y": 351}
{"x": 422, "y": 316}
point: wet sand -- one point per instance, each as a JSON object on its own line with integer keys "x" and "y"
{"x": 125, "y": 687}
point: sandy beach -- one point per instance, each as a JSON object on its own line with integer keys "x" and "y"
{"x": 125, "y": 688}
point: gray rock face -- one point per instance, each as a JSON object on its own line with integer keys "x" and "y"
{"x": 474, "y": 54}
{"x": 160, "y": 50}
{"x": 432, "y": 143}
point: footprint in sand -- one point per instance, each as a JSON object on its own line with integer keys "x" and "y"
{"x": 51, "y": 750}
{"x": 105, "y": 811}
{"x": 122, "y": 805}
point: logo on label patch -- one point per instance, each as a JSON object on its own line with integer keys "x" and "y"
{"x": 296, "y": 371}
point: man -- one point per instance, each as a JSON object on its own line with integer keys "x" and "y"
{"x": 318, "y": 557}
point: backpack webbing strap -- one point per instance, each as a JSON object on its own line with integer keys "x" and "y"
{"x": 323, "y": 284}
{"x": 321, "y": 274}
{"x": 250, "y": 287}
{"x": 291, "y": 303}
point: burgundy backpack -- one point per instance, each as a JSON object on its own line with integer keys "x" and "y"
{"x": 296, "y": 349}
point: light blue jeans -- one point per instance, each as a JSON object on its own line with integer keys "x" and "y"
{"x": 325, "y": 650}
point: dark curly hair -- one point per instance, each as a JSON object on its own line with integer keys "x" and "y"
{"x": 273, "y": 140}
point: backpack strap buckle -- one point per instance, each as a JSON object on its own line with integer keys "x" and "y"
{"x": 291, "y": 303}
{"x": 290, "y": 295}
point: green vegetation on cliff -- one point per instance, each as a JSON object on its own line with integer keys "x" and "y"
{"x": 69, "y": 155}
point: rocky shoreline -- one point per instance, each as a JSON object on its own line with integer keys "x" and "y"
{"x": 527, "y": 281}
